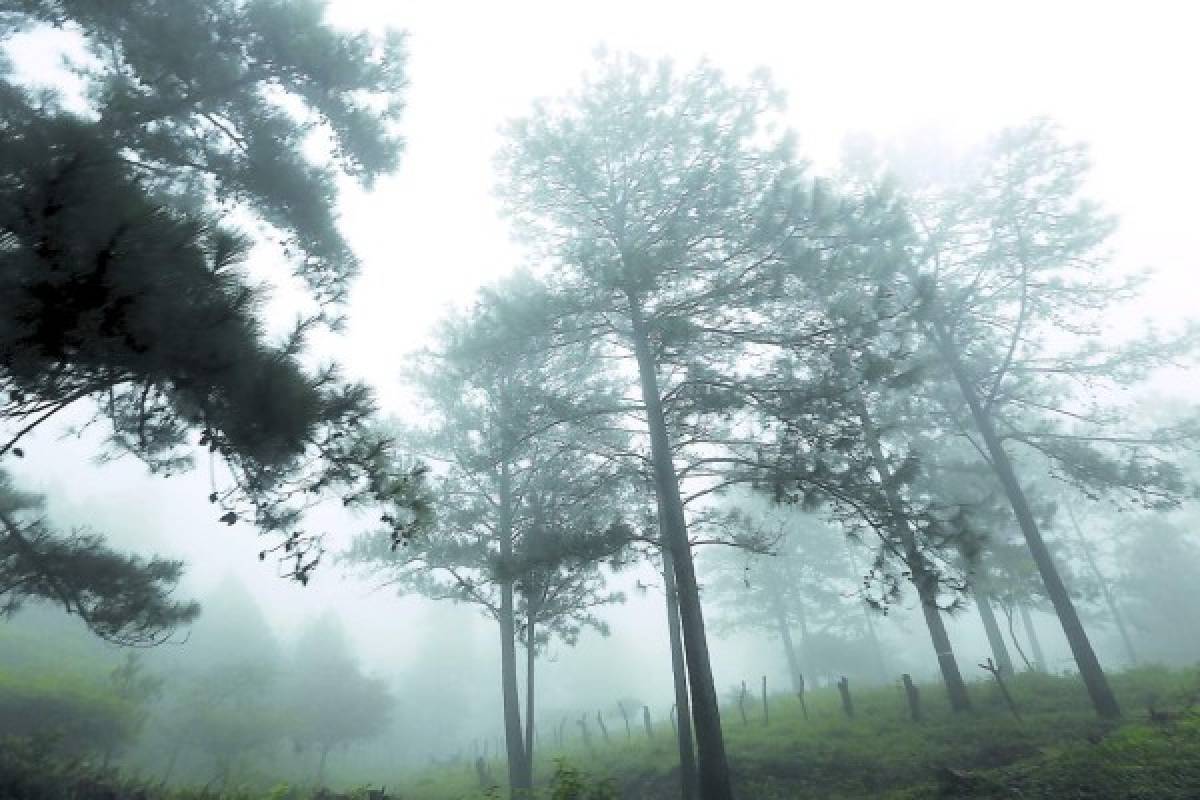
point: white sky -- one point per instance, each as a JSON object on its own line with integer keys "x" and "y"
{"x": 1121, "y": 77}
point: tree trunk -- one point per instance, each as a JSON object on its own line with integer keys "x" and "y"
{"x": 715, "y": 782}
{"x": 913, "y": 695}
{"x": 1109, "y": 600}
{"x": 530, "y": 658}
{"x": 925, "y": 583}
{"x": 843, "y": 686}
{"x": 789, "y": 650}
{"x": 321, "y": 766}
{"x": 805, "y": 640}
{"x": 683, "y": 728}
{"x": 518, "y": 777}
{"x": 1103, "y": 699}
{"x": 1039, "y": 660}
{"x": 994, "y": 636}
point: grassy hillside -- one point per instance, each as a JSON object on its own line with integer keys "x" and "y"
{"x": 1058, "y": 749}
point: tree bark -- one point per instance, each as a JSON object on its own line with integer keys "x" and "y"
{"x": 992, "y": 628}
{"x": 530, "y": 658}
{"x": 690, "y": 789}
{"x": 518, "y": 777}
{"x": 1103, "y": 699}
{"x": 321, "y": 765}
{"x": 715, "y": 782}
{"x": 925, "y": 583}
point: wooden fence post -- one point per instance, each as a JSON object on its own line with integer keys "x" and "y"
{"x": 844, "y": 688}
{"x": 914, "y": 697}
{"x": 800, "y": 694}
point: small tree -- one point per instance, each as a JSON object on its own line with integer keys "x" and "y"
{"x": 802, "y": 584}
{"x": 331, "y": 702}
{"x": 527, "y": 513}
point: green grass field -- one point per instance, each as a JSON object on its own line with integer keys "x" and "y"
{"x": 1059, "y": 749}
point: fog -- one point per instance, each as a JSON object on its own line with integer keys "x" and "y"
{"x": 922, "y": 87}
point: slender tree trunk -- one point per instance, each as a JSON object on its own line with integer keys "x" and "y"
{"x": 1103, "y": 699}
{"x": 923, "y": 580}
{"x": 689, "y": 780}
{"x": 530, "y": 659}
{"x": 1105, "y": 590}
{"x": 321, "y": 765}
{"x": 785, "y": 636}
{"x": 715, "y": 782}
{"x": 995, "y": 637}
{"x": 1039, "y": 660}
{"x": 518, "y": 777}
{"x": 805, "y": 640}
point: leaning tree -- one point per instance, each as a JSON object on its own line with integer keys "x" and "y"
{"x": 1010, "y": 270}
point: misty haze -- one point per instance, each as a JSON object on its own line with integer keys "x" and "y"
{"x": 591, "y": 401}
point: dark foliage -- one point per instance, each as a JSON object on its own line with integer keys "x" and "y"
{"x": 121, "y": 282}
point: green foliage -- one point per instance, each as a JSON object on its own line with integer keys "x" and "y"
{"x": 66, "y": 713}
{"x": 123, "y": 599}
{"x": 331, "y": 702}
{"x": 568, "y": 783}
{"x": 120, "y": 280}
{"x": 881, "y": 754}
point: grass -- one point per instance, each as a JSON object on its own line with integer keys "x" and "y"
{"x": 1059, "y": 749}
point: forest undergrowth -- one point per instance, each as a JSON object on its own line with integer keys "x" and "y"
{"x": 1057, "y": 748}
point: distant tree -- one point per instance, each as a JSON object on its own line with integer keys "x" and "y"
{"x": 124, "y": 599}
{"x": 229, "y": 714}
{"x": 332, "y": 703}
{"x": 226, "y": 704}
{"x": 1158, "y": 568}
{"x": 802, "y": 585}
{"x": 122, "y": 284}
{"x": 136, "y": 687}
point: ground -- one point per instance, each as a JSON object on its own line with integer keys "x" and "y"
{"x": 1057, "y": 749}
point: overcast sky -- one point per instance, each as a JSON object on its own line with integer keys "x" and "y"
{"x": 1121, "y": 77}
